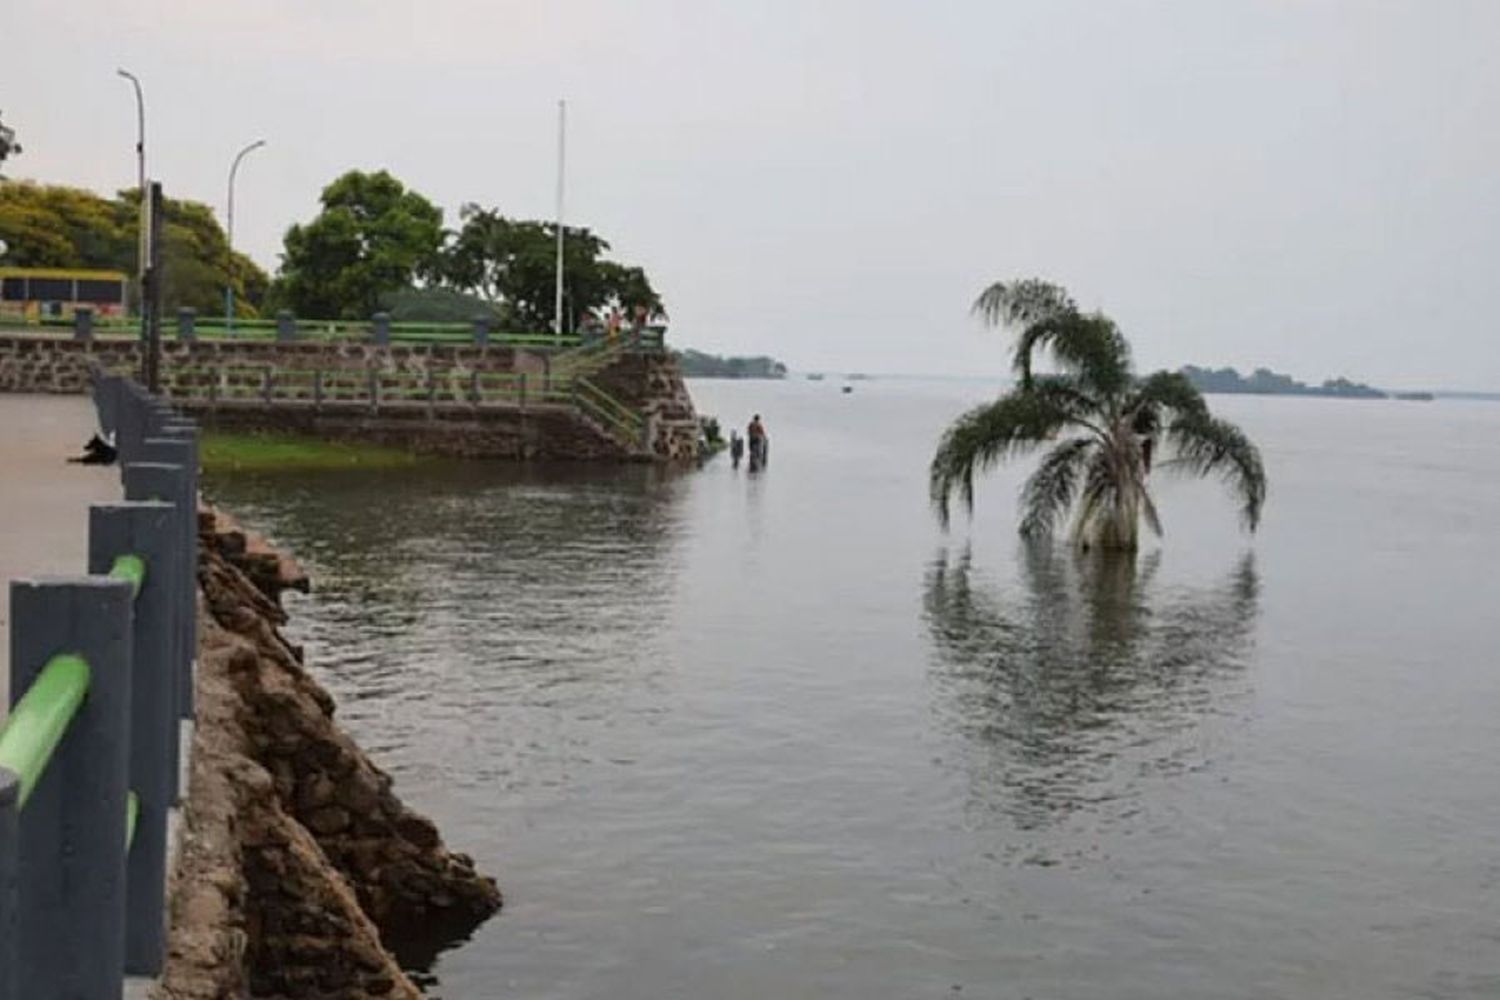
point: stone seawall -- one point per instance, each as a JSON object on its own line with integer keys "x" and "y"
{"x": 649, "y": 384}
{"x": 299, "y": 863}
{"x": 540, "y": 433}
{"x": 52, "y": 363}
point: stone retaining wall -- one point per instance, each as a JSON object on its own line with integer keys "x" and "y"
{"x": 58, "y": 364}
{"x": 299, "y": 864}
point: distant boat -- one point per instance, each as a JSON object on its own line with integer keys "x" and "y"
{"x": 848, "y": 388}
{"x": 815, "y": 376}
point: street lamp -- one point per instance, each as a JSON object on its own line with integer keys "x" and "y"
{"x": 140, "y": 173}
{"x": 229, "y": 237}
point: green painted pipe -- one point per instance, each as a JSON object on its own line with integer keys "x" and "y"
{"x": 39, "y": 720}
{"x": 131, "y": 569}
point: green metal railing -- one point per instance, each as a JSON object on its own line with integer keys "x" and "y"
{"x": 40, "y": 719}
{"x": 379, "y": 329}
{"x": 101, "y": 669}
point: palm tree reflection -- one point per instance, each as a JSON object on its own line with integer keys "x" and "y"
{"x": 1087, "y": 677}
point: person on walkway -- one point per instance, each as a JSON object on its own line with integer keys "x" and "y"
{"x": 736, "y": 447}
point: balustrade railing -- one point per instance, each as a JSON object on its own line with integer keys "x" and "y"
{"x": 101, "y": 673}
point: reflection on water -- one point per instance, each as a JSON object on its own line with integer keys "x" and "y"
{"x": 1082, "y": 679}
{"x": 455, "y": 609}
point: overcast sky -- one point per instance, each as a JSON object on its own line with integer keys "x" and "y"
{"x": 1310, "y": 185}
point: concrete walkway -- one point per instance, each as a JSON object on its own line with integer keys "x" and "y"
{"x": 44, "y": 501}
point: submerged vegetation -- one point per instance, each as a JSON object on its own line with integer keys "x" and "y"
{"x": 1105, "y": 425}
{"x": 246, "y": 452}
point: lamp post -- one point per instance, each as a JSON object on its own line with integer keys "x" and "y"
{"x": 229, "y": 237}
{"x": 142, "y": 250}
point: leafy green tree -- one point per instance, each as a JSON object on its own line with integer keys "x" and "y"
{"x": 512, "y": 263}
{"x": 48, "y": 225}
{"x": 373, "y": 237}
{"x": 1103, "y": 422}
{"x": 8, "y": 145}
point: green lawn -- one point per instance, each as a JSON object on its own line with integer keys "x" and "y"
{"x": 223, "y": 452}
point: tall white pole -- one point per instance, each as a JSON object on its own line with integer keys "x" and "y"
{"x": 229, "y": 237}
{"x": 562, "y": 130}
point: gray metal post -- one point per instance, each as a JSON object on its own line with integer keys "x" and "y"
{"x": 482, "y": 330}
{"x": 107, "y": 402}
{"x": 147, "y": 530}
{"x": 180, "y": 454}
{"x": 72, "y": 888}
{"x": 10, "y": 864}
{"x": 130, "y": 420}
{"x": 380, "y": 328}
{"x": 286, "y": 326}
{"x": 155, "y": 481}
{"x": 187, "y": 324}
{"x": 83, "y": 323}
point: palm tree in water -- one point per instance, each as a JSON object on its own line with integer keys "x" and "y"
{"x": 1107, "y": 427}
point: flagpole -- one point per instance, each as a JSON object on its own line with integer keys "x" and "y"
{"x": 557, "y": 305}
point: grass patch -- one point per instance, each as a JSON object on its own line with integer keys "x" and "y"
{"x": 230, "y": 452}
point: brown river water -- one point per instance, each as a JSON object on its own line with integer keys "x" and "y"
{"x": 722, "y": 735}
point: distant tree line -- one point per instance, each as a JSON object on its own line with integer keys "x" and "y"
{"x": 1265, "y": 382}
{"x": 374, "y": 245}
{"x": 696, "y": 364}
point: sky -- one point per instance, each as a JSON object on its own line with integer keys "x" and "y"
{"x": 1308, "y": 185}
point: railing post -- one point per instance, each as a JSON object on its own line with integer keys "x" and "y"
{"x": 107, "y": 402}
{"x": 522, "y": 382}
{"x": 474, "y": 388}
{"x": 318, "y": 389}
{"x": 265, "y": 385}
{"x": 83, "y": 323}
{"x": 130, "y": 419}
{"x": 187, "y": 324}
{"x": 482, "y": 330}
{"x": 157, "y": 481}
{"x": 171, "y": 465}
{"x": 286, "y": 326}
{"x": 431, "y": 389}
{"x": 374, "y": 390}
{"x": 10, "y": 864}
{"x": 380, "y": 329}
{"x": 72, "y": 833}
{"x": 146, "y": 530}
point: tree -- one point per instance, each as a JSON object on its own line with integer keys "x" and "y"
{"x": 1115, "y": 424}
{"x": 373, "y": 237}
{"x": 8, "y": 145}
{"x": 512, "y": 264}
{"x": 48, "y": 225}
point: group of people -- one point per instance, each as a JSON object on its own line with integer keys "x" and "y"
{"x": 759, "y": 444}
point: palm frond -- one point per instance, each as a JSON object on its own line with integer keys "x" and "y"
{"x": 1021, "y": 303}
{"x": 987, "y": 434}
{"x": 1162, "y": 394}
{"x": 1049, "y": 491}
{"x": 1205, "y": 445}
{"x": 1148, "y": 511}
{"x": 1090, "y": 347}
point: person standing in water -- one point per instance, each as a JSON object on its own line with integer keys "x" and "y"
{"x": 736, "y": 447}
{"x": 756, "y": 432}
